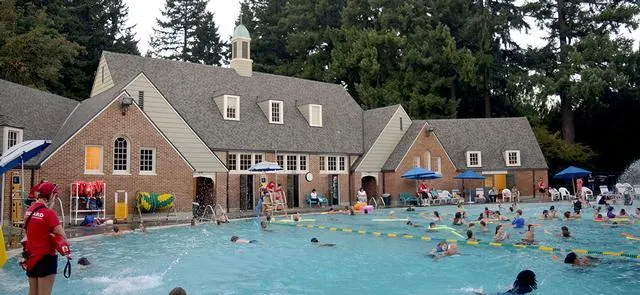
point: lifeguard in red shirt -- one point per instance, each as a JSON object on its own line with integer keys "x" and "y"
{"x": 423, "y": 189}
{"x": 41, "y": 223}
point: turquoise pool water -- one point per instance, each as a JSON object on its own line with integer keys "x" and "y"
{"x": 203, "y": 261}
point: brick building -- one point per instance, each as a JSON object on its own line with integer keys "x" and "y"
{"x": 194, "y": 130}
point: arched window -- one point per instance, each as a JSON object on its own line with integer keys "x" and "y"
{"x": 427, "y": 160}
{"x": 120, "y": 156}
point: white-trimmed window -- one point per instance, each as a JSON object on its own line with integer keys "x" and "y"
{"x": 12, "y": 136}
{"x": 120, "y": 156}
{"x": 147, "y": 161}
{"x": 303, "y": 162}
{"x": 416, "y": 162}
{"x": 315, "y": 115}
{"x": 93, "y": 159}
{"x": 333, "y": 164}
{"x": 438, "y": 165}
{"x": 512, "y": 158}
{"x": 427, "y": 160}
{"x": 231, "y": 107}
{"x": 276, "y": 112}
{"x": 292, "y": 163}
{"x": 474, "y": 159}
{"x": 242, "y": 161}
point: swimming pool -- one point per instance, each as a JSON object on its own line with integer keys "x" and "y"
{"x": 203, "y": 261}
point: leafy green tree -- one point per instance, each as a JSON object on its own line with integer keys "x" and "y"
{"x": 32, "y": 54}
{"x": 559, "y": 152}
{"x": 577, "y": 64}
{"x": 187, "y": 32}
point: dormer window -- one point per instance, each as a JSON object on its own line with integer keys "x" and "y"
{"x": 276, "y": 112}
{"x": 512, "y": 158}
{"x": 231, "y": 107}
{"x": 474, "y": 159}
{"x": 315, "y": 115}
{"x": 12, "y": 136}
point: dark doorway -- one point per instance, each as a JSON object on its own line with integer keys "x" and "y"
{"x": 370, "y": 186}
{"x": 334, "y": 190}
{"x": 293, "y": 190}
{"x": 205, "y": 194}
{"x": 246, "y": 192}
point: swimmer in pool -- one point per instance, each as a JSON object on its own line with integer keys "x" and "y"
{"x": 315, "y": 242}
{"x": 444, "y": 249}
{"x": 457, "y": 219}
{"x": 567, "y": 215}
{"x": 525, "y": 283}
{"x": 500, "y": 217}
{"x": 142, "y": 228}
{"x": 598, "y": 218}
{"x": 623, "y": 214}
{"x": 436, "y": 216}
{"x": 518, "y": 221}
{"x": 552, "y": 212}
{"x": 409, "y": 223}
{"x": 572, "y": 258}
{"x": 263, "y": 226}
{"x": 115, "y": 231}
{"x": 410, "y": 209}
{"x": 500, "y": 235}
{"x": 297, "y": 217}
{"x": 545, "y": 214}
{"x": 432, "y": 226}
{"x": 610, "y": 213}
{"x": 470, "y": 236}
{"x": 483, "y": 226}
{"x": 237, "y": 240}
{"x": 528, "y": 238}
{"x": 392, "y": 215}
{"x": 83, "y": 262}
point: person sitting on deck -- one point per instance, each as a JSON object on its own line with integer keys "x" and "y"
{"x": 362, "y": 195}
{"x": 423, "y": 191}
{"x": 492, "y": 195}
{"x": 314, "y": 195}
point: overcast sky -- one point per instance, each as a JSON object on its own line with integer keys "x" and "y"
{"x": 143, "y": 13}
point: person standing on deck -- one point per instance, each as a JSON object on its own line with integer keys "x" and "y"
{"x": 579, "y": 187}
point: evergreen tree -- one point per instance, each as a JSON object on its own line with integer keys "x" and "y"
{"x": 31, "y": 52}
{"x": 187, "y": 33}
{"x": 577, "y": 62}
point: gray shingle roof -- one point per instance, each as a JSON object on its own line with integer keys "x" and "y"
{"x": 87, "y": 109}
{"x": 39, "y": 113}
{"x": 403, "y": 146}
{"x": 492, "y": 137}
{"x": 189, "y": 88}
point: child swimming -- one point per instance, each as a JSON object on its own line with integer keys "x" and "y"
{"x": 444, "y": 249}
{"x": 519, "y": 221}
{"x": 500, "y": 235}
{"x": 457, "y": 219}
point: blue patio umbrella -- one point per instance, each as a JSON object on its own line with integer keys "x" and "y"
{"x": 572, "y": 172}
{"x": 17, "y": 155}
{"x": 418, "y": 173}
{"x": 468, "y": 174}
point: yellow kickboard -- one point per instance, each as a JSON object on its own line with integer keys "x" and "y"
{"x": 3, "y": 251}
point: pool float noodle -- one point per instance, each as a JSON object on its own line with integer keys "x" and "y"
{"x": 619, "y": 219}
{"x": 301, "y": 220}
{"x": 476, "y": 243}
{"x": 389, "y": 219}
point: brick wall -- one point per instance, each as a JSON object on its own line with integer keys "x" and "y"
{"x": 394, "y": 185}
{"x": 173, "y": 174}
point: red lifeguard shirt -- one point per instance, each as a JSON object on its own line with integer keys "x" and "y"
{"x": 423, "y": 187}
{"x": 270, "y": 186}
{"x": 39, "y": 227}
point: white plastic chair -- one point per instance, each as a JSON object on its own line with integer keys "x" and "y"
{"x": 445, "y": 196}
{"x": 587, "y": 193}
{"x": 506, "y": 193}
{"x": 604, "y": 190}
{"x": 564, "y": 193}
{"x": 554, "y": 194}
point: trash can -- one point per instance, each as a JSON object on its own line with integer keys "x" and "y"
{"x": 387, "y": 199}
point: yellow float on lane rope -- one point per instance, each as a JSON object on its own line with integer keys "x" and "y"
{"x": 392, "y": 235}
{"x": 3, "y": 251}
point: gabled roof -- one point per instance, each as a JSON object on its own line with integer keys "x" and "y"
{"x": 190, "y": 89}
{"x": 492, "y": 137}
{"x": 404, "y": 145}
{"x": 87, "y": 109}
{"x": 39, "y": 113}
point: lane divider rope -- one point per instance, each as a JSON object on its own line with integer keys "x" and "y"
{"x": 472, "y": 243}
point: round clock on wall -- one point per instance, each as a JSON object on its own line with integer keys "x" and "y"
{"x": 308, "y": 176}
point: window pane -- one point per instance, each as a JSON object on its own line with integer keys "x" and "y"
{"x": 93, "y": 158}
{"x": 258, "y": 159}
{"x": 245, "y": 49}
{"x": 146, "y": 160}
{"x": 234, "y": 53}
{"x": 12, "y": 139}
{"x": 275, "y": 112}
{"x": 322, "y": 167}
{"x": 342, "y": 168}
{"x": 292, "y": 163}
{"x": 120, "y": 155}
{"x": 245, "y": 161}
{"x": 232, "y": 107}
{"x": 331, "y": 163}
{"x": 315, "y": 115}
{"x": 303, "y": 163}
{"x": 280, "y": 160}
{"x": 231, "y": 161}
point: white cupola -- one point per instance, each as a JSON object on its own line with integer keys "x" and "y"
{"x": 240, "y": 51}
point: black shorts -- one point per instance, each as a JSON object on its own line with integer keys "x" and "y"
{"x": 48, "y": 265}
